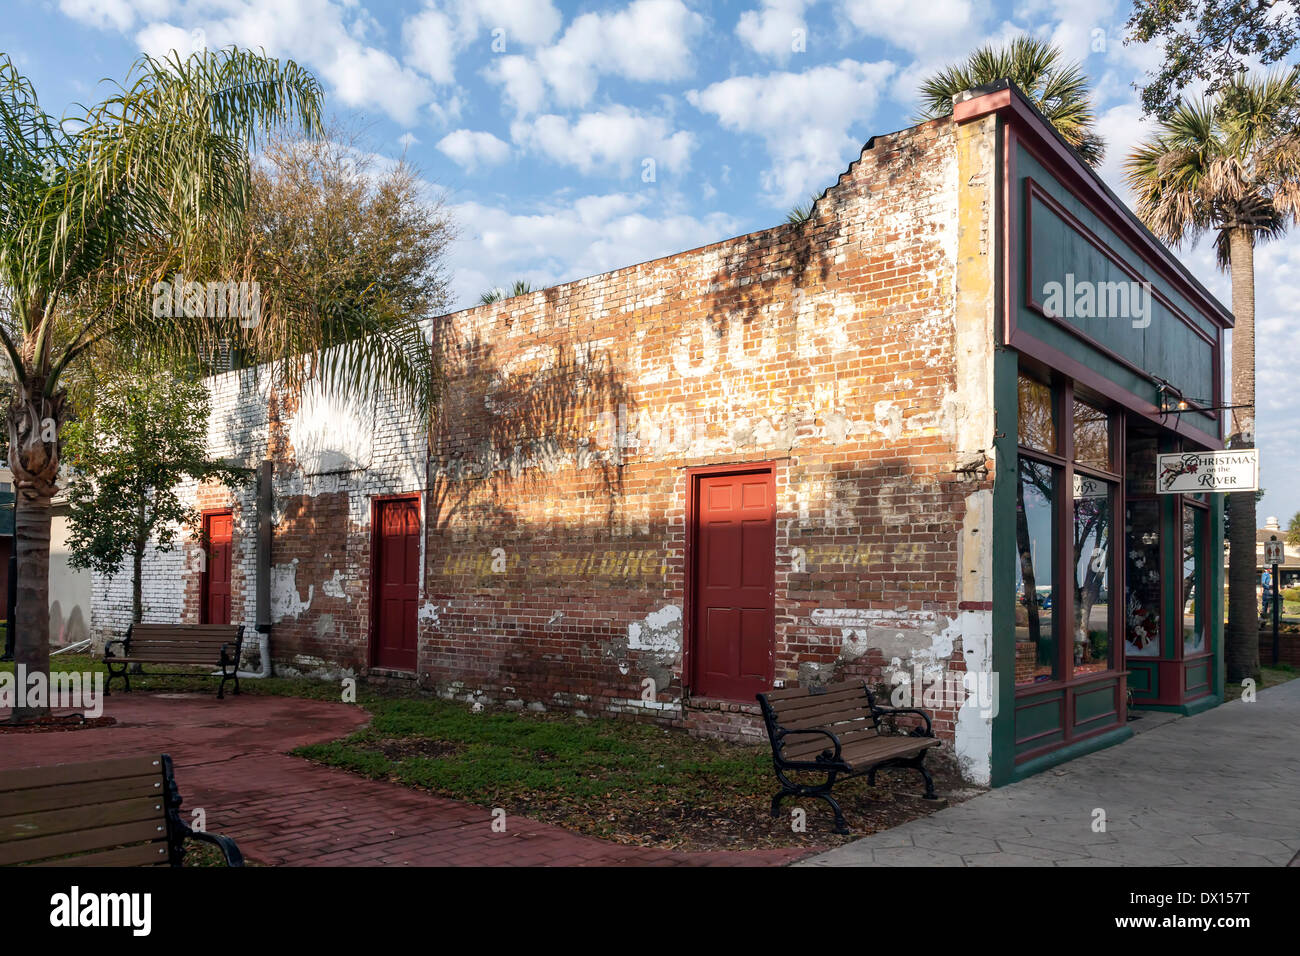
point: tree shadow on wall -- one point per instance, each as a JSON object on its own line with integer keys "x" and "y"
{"x": 506, "y": 428}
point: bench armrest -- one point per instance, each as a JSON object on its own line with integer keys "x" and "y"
{"x": 778, "y": 743}
{"x": 229, "y": 849}
{"x": 226, "y": 656}
{"x": 124, "y": 641}
{"x": 889, "y": 713}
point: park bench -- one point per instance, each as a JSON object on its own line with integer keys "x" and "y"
{"x": 119, "y": 812}
{"x": 839, "y": 731}
{"x": 203, "y": 645}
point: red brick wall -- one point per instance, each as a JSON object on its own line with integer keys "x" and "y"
{"x": 825, "y": 348}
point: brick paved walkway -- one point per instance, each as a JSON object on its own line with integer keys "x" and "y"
{"x": 231, "y": 760}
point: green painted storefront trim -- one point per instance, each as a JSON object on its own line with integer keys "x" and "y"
{"x": 1198, "y": 706}
{"x": 1070, "y": 752}
{"x": 1006, "y": 406}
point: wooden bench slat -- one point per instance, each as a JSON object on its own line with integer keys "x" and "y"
{"x": 63, "y": 844}
{"x": 36, "y": 800}
{"x": 115, "y": 768}
{"x": 802, "y": 748}
{"x": 786, "y": 693}
{"x": 117, "y": 812}
{"x": 825, "y": 717}
{"x": 206, "y": 646}
{"x": 26, "y": 826}
{"x": 848, "y": 696}
{"x": 141, "y": 854}
{"x": 884, "y": 748}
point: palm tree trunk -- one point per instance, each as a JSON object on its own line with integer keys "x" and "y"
{"x": 34, "y": 461}
{"x": 32, "y": 635}
{"x": 1241, "y": 639}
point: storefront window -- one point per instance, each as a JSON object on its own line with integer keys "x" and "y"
{"x": 1036, "y": 596}
{"x": 1140, "y": 464}
{"x": 1092, "y": 530}
{"x": 1193, "y": 580}
{"x": 1037, "y": 416}
{"x": 1142, "y": 579}
{"x": 1091, "y": 436}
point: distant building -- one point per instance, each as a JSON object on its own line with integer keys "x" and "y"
{"x": 70, "y": 588}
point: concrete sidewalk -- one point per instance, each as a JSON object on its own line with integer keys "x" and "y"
{"x": 1218, "y": 789}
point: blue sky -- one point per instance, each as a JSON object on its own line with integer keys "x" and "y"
{"x": 574, "y": 138}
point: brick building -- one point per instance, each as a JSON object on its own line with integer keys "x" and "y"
{"x": 832, "y": 449}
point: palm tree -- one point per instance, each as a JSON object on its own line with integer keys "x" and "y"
{"x": 95, "y": 211}
{"x": 1231, "y": 165}
{"x": 801, "y": 212}
{"x": 520, "y": 287}
{"x": 1059, "y": 89}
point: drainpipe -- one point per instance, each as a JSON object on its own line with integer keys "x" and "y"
{"x": 262, "y": 573}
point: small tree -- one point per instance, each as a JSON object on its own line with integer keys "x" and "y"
{"x": 1293, "y": 530}
{"x": 145, "y": 435}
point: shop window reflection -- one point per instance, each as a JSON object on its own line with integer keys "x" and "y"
{"x": 1142, "y": 579}
{"x": 1193, "y": 577}
{"x": 1036, "y": 597}
{"x": 1092, "y": 533}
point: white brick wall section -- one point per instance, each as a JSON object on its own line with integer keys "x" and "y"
{"x": 238, "y": 429}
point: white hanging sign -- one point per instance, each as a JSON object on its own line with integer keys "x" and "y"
{"x": 1192, "y": 471}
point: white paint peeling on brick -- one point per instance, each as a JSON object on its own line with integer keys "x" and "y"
{"x": 660, "y": 630}
{"x": 333, "y": 587}
{"x": 286, "y": 602}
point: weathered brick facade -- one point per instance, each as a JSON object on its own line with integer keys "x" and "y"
{"x": 554, "y": 492}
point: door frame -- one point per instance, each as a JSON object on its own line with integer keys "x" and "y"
{"x": 693, "y": 476}
{"x": 205, "y": 519}
{"x": 376, "y": 506}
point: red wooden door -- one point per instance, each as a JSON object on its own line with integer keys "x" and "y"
{"x": 396, "y": 582}
{"x": 218, "y": 528}
{"x": 735, "y": 588}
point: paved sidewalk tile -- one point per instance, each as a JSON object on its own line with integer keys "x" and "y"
{"x": 1219, "y": 789}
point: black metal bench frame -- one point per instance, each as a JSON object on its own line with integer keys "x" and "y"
{"x": 228, "y": 662}
{"x": 829, "y": 761}
{"x": 178, "y": 831}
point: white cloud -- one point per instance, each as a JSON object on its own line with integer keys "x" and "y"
{"x": 523, "y": 21}
{"x": 471, "y": 149}
{"x": 112, "y": 14}
{"x": 328, "y": 37}
{"x": 521, "y": 81}
{"x": 617, "y": 139}
{"x": 647, "y": 41}
{"x": 928, "y": 26}
{"x": 559, "y": 242}
{"x": 435, "y": 36}
{"x": 804, "y": 118}
{"x": 430, "y": 40}
{"x": 772, "y": 28}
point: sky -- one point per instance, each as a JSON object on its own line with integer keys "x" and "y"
{"x": 570, "y": 139}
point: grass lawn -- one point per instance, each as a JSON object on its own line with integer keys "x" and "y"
{"x": 1268, "y": 677}
{"x": 620, "y": 780}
